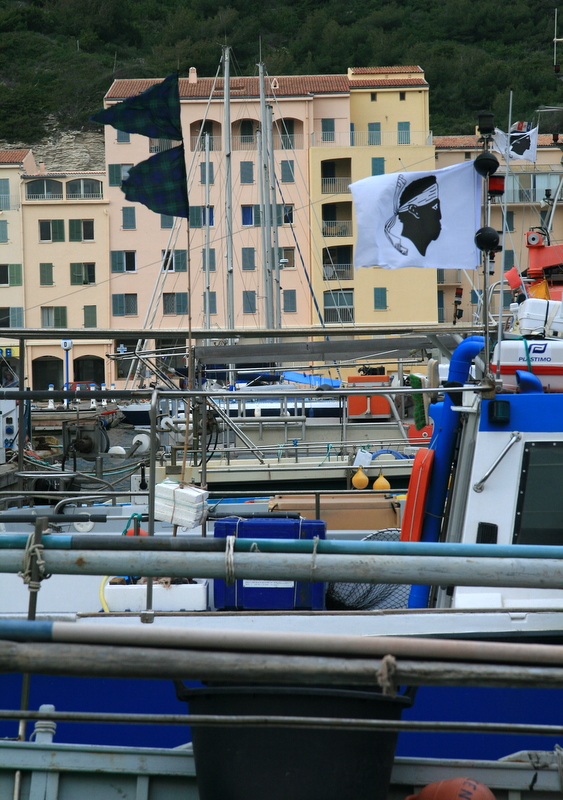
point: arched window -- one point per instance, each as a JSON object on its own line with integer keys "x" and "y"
{"x": 44, "y": 189}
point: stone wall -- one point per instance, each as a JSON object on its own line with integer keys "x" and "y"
{"x": 61, "y": 151}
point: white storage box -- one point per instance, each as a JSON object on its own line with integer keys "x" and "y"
{"x": 539, "y": 316}
{"x": 180, "y": 505}
{"x": 177, "y": 597}
{"x": 546, "y": 360}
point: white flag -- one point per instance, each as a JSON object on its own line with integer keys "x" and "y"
{"x": 523, "y": 144}
{"x": 418, "y": 219}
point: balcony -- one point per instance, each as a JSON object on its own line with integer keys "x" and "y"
{"x": 371, "y": 138}
{"x": 85, "y": 195}
{"x": 338, "y": 227}
{"x": 198, "y": 143}
{"x": 288, "y": 141}
{"x": 338, "y": 315}
{"x": 336, "y": 185}
{"x": 448, "y": 276}
{"x": 338, "y": 272}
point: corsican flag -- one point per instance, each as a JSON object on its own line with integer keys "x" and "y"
{"x": 418, "y": 219}
{"x": 522, "y": 144}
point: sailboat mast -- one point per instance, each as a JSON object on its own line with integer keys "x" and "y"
{"x": 266, "y": 205}
{"x": 228, "y": 186}
{"x": 275, "y": 267}
{"x": 207, "y": 250}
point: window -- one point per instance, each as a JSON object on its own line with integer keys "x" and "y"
{"x": 82, "y": 273}
{"x": 198, "y": 216}
{"x": 403, "y": 133}
{"x": 10, "y": 274}
{"x": 251, "y": 215}
{"x": 4, "y": 279}
{"x": 507, "y": 299}
{"x": 379, "y": 298}
{"x": 211, "y": 259}
{"x": 124, "y": 305}
{"x": 378, "y": 166}
{"x": 248, "y": 258}
{"x": 373, "y": 97}
{"x": 84, "y": 189}
{"x": 4, "y": 194}
{"x": 246, "y": 131}
{"x": 128, "y": 218}
{"x": 285, "y": 215}
{"x": 123, "y": 260}
{"x": 166, "y": 221}
{"x": 249, "y": 302}
{"x": 3, "y": 231}
{"x": 339, "y": 306}
{"x": 287, "y": 257}
{"x": 81, "y": 230}
{"x": 206, "y": 176}
{"x": 508, "y": 259}
{"x": 327, "y": 128}
{"x": 509, "y": 220}
{"x": 90, "y": 317}
{"x": 475, "y": 297}
{"x": 286, "y": 128}
{"x": 374, "y": 133}
{"x": 44, "y": 189}
{"x": 247, "y": 171}
{"x": 11, "y": 317}
{"x": 46, "y": 275}
{"x": 289, "y": 300}
{"x": 175, "y": 260}
{"x": 402, "y": 95}
{"x": 287, "y": 172}
{"x": 175, "y": 303}
{"x": 123, "y": 365}
{"x": 53, "y": 317}
{"x": 51, "y": 230}
{"x": 212, "y": 302}
{"x": 123, "y": 137}
{"x": 441, "y": 311}
{"x": 118, "y": 173}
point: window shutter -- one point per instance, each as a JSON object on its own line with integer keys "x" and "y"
{"x": 59, "y": 316}
{"x": 118, "y": 305}
{"x": 181, "y": 303}
{"x": 247, "y": 172}
{"x": 196, "y": 217}
{"x": 181, "y": 260}
{"x": 202, "y": 178}
{"x": 290, "y": 300}
{"x": 380, "y": 298}
{"x": 508, "y": 259}
{"x": 16, "y": 317}
{"x": 248, "y": 258}
{"x": 3, "y": 230}
{"x": 287, "y": 173}
{"x": 117, "y": 261}
{"x": 76, "y": 274}
{"x": 74, "y": 230}
{"x": 58, "y": 230}
{"x": 378, "y": 166}
{"x": 4, "y": 194}
{"x": 279, "y": 213}
{"x": 166, "y": 221}
{"x": 114, "y": 174}
{"x": 46, "y": 274}
{"x": 15, "y": 274}
{"x": 128, "y": 218}
{"x": 257, "y": 216}
{"x": 90, "y": 317}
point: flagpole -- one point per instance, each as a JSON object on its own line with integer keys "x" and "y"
{"x": 503, "y": 241}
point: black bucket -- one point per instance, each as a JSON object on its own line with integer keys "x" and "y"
{"x": 267, "y": 763}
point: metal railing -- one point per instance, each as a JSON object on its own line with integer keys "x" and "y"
{"x": 338, "y": 272}
{"x": 335, "y": 185}
{"x": 370, "y": 138}
{"x": 339, "y": 227}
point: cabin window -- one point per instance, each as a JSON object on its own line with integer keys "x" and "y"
{"x": 539, "y": 507}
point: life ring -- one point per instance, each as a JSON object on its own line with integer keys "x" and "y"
{"x": 413, "y": 515}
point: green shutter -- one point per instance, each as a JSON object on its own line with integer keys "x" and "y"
{"x": 117, "y": 261}
{"x": 287, "y": 172}
{"x": 57, "y": 230}
{"x": 247, "y": 172}
{"x": 114, "y": 173}
{"x": 74, "y": 230}
{"x": 196, "y": 217}
{"x": 181, "y": 260}
{"x": 378, "y": 166}
{"x": 3, "y": 230}
{"x": 128, "y": 218}
{"x": 279, "y": 213}
{"x": 59, "y": 316}
{"x": 76, "y": 274}
{"x": 181, "y": 302}
{"x": 118, "y": 305}
{"x": 16, "y": 317}
{"x": 257, "y": 216}
{"x": 46, "y": 274}
{"x": 380, "y": 298}
{"x": 248, "y": 260}
{"x": 90, "y": 317}
{"x": 15, "y": 274}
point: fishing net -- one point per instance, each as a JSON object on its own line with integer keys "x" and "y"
{"x": 367, "y": 596}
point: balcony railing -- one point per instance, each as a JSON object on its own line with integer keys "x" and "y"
{"x": 335, "y": 185}
{"x": 198, "y": 143}
{"x": 339, "y": 227}
{"x": 337, "y": 315}
{"x": 288, "y": 141}
{"x": 338, "y": 272}
{"x": 448, "y": 276}
{"x": 371, "y": 138}
{"x": 85, "y": 195}
{"x": 44, "y": 196}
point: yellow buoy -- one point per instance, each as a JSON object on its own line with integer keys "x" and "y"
{"x": 360, "y": 480}
{"x": 381, "y": 482}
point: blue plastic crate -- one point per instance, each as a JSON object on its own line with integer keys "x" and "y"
{"x": 269, "y": 595}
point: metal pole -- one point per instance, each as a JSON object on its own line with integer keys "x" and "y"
{"x": 228, "y": 186}
{"x": 267, "y": 209}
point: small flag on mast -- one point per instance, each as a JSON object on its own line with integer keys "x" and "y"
{"x": 521, "y": 144}
{"x": 418, "y": 219}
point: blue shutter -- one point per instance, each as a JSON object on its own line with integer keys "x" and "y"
{"x": 289, "y": 300}
{"x": 122, "y": 138}
{"x": 166, "y": 221}
{"x": 404, "y": 133}
{"x": 58, "y": 230}
{"x": 378, "y": 166}
{"x": 90, "y": 317}
{"x": 4, "y": 194}
{"x": 114, "y": 174}
{"x": 46, "y": 274}
{"x": 248, "y": 258}
{"x": 15, "y": 274}
{"x": 508, "y": 259}
{"x": 196, "y": 217}
{"x": 202, "y": 172}
{"x": 181, "y": 260}
{"x": 181, "y": 302}
{"x": 327, "y": 127}
{"x": 16, "y": 317}
{"x": 379, "y": 298}
{"x": 74, "y": 230}
{"x": 287, "y": 172}
{"x": 374, "y": 133}
{"x": 117, "y": 261}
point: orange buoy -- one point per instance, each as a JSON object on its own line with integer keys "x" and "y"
{"x": 413, "y": 516}
{"x": 131, "y": 532}
{"x": 360, "y": 480}
{"x": 454, "y": 789}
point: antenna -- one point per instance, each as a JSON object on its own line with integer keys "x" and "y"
{"x": 556, "y": 66}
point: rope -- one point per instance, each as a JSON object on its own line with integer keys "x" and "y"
{"x": 230, "y": 560}
{"x": 43, "y": 726}
{"x": 314, "y": 557}
{"x": 386, "y": 676}
{"x": 139, "y": 517}
{"x": 33, "y": 551}
{"x": 328, "y": 449}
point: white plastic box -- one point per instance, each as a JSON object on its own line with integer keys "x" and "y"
{"x": 539, "y": 316}
{"x": 545, "y": 357}
{"x": 180, "y": 505}
{"x": 177, "y": 597}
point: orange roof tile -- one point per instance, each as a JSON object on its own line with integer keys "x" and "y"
{"x": 13, "y": 156}
{"x": 451, "y": 142}
{"x": 383, "y": 70}
{"x": 387, "y": 82}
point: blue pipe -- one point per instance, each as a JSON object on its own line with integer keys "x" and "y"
{"x": 528, "y": 383}
{"x": 443, "y": 443}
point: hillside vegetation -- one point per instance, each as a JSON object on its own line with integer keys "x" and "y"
{"x": 58, "y": 57}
